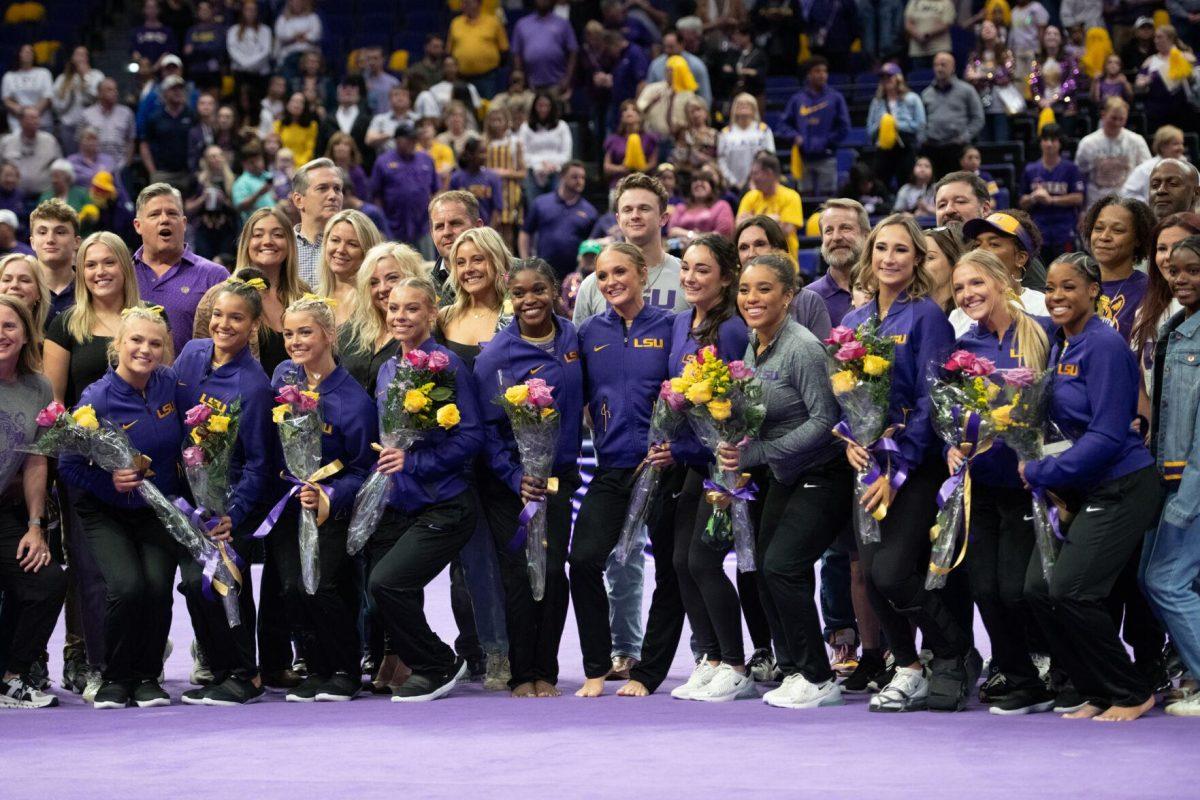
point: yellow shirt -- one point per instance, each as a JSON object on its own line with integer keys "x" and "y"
{"x": 784, "y": 206}
{"x": 477, "y": 44}
{"x": 299, "y": 139}
{"x": 442, "y": 155}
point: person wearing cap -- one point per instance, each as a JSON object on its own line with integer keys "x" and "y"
{"x": 164, "y": 147}
{"x": 8, "y": 235}
{"x": 894, "y": 160}
{"x": 1137, "y": 48}
{"x": 62, "y": 185}
{"x": 559, "y": 221}
{"x": 402, "y": 183}
{"x": 152, "y": 94}
{"x": 817, "y": 121}
{"x": 32, "y": 150}
{"x": 1015, "y": 242}
{"x": 1052, "y": 192}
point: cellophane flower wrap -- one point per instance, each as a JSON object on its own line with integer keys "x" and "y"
{"x": 860, "y": 369}
{"x": 665, "y": 419}
{"x": 63, "y": 432}
{"x": 726, "y": 406}
{"x": 298, "y": 417}
{"x": 962, "y": 391}
{"x": 418, "y": 399}
{"x": 535, "y": 424}
{"x": 1020, "y": 415}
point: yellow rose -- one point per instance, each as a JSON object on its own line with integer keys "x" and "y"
{"x": 875, "y": 365}
{"x": 311, "y": 394}
{"x": 218, "y": 423}
{"x": 691, "y": 372}
{"x": 85, "y": 417}
{"x": 447, "y": 416}
{"x": 279, "y": 413}
{"x": 1002, "y": 416}
{"x": 415, "y": 401}
{"x": 699, "y": 392}
{"x": 516, "y": 395}
{"x": 548, "y": 412}
{"x": 993, "y": 391}
{"x": 720, "y": 409}
{"x": 844, "y": 381}
{"x": 680, "y": 385}
{"x": 196, "y": 437}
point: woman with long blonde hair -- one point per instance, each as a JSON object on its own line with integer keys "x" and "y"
{"x": 478, "y": 262}
{"x": 348, "y": 236}
{"x": 365, "y": 342}
{"x": 21, "y": 278}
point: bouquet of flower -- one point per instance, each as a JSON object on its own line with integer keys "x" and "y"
{"x": 962, "y": 393}
{"x": 726, "y": 406}
{"x": 665, "y": 419}
{"x": 298, "y": 416}
{"x": 63, "y": 432}
{"x": 419, "y": 398}
{"x": 1019, "y": 415}
{"x": 535, "y": 423}
{"x": 860, "y": 365}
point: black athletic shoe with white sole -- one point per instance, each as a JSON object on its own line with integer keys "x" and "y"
{"x": 423, "y": 688}
{"x": 233, "y": 691}
{"x": 1024, "y": 701}
{"x": 111, "y": 695}
{"x": 340, "y": 688}
{"x": 948, "y": 681}
{"x": 869, "y": 666}
{"x": 306, "y": 692}
{"x": 148, "y": 694}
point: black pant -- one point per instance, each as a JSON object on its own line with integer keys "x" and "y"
{"x": 894, "y": 167}
{"x": 406, "y": 553}
{"x": 800, "y": 521}
{"x": 37, "y": 596}
{"x": 896, "y": 568}
{"x": 534, "y": 627}
{"x": 274, "y": 626}
{"x": 749, "y": 593}
{"x": 1000, "y": 547}
{"x": 327, "y": 622}
{"x": 1141, "y": 631}
{"x": 229, "y": 651}
{"x": 1071, "y": 609}
{"x": 137, "y": 558}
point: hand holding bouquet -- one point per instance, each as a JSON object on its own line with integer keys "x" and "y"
{"x": 420, "y": 398}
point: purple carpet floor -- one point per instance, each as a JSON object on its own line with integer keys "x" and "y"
{"x": 479, "y": 744}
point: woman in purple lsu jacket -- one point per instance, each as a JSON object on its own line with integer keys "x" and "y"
{"x": 217, "y": 372}
{"x": 537, "y": 344}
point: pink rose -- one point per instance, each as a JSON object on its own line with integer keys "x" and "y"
{"x": 841, "y": 335}
{"x": 305, "y": 403}
{"x": 539, "y": 393}
{"x": 959, "y": 360}
{"x": 438, "y": 361}
{"x": 50, "y": 414}
{"x": 193, "y": 456}
{"x": 979, "y": 367}
{"x": 850, "y": 351}
{"x": 290, "y": 394}
{"x": 706, "y": 354}
{"x": 1019, "y": 376}
{"x": 739, "y": 371}
{"x": 197, "y": 415}
{"x": 419, "y": 359}
{"x": 675, "y": 400}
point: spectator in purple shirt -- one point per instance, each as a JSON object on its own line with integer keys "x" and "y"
{"x": 168, "y": 273}
{"x": 89, "y": 160}
{"x": 559, "y": 221}
{"x": 153, "y": 39}
{"x": 402, "y": 183}
{"x": 627, "y": 76}
{"x": 472, "y": 176}
{"x": 204, "y": 49}
{"x": 544, "y": 46}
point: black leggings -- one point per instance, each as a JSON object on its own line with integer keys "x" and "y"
{"x": 534, "y": 627}
{"x": 897, "y": 566}
{"x": 33, "y": 598}
{"x": 800, "y": 521}
{"x": 1071, "y": 610}
{"x": 137, "y": 558}
{"x": 1000, "y": 546}
{"x": 230, "y": 651}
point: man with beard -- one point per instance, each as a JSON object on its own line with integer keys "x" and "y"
{"x": 844, "y": 227}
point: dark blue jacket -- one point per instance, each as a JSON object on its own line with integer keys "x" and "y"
{"x": 255, "y": 462}
{"x": 623, "y": 373}
{"x": 436, "y": 467}
{"x": 1093, "y": 401}
{"x": 511, "y": 358}
{"x": 350, "y": 427}
{"x": 153, "y": 426}
{"x": 923, "y": 338}
{"x": 821, "y": 120}
{"x": 732, "y": 338}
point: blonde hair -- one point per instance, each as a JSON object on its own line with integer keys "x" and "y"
{"x": 143, "y": 313}
{"x": 423, "y": 285}
{"x": 1032, "y": 344}
{"x": 83, "y": 315}
{"x": 746, "y": 97}
{"x": 41, "y": 311}
{"x": 368, "y": 236}
{"x": 498, "y": 256}
{"x": 366, "y": 326}
{"x": 289, "y": 287}
{"x": 29, "y": 361}
{"x": 921, "y": 284}
{"x": 321, "y": 311}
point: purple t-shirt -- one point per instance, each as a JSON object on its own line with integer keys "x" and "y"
{"x": 153, "y": 43}
{"x": 837, "y": 300}
{"x": 179, "y": 290}
{"x": 559, "y": 229}
{"x": 1119, "y": 301}
{"x": 614, "y": 145}
{"x": 485, "y": 185}
{"x": 403, "y": 187}
{"x": 543, "y": 44}
{"x": 1057, "y": 223}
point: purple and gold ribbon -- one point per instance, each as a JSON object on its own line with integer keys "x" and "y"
{"x": 325, "y": 495}
{"x": 221, "y": 553}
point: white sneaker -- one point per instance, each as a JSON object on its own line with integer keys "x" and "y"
{"x": 167, "y": 650}
{"x": 798, "y": 692}
{"x": 701, "y": 676}
{"x": 497, "y": 672}
{"x": 94, "y": 682}
{"x": 1188, "y": 707}
{"x": 907, "y": 691}
{"x": 727, "y": 684}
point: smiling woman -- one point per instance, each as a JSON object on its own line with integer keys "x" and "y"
{"x": 478, "y": 261}
{"x": 21, "y": 278}
{"x": 348, "y": 236}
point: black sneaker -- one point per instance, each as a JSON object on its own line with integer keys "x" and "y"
{"x": 74, "y": 677}
{"x": 233, "y": 691}
{"x": 39, "y": 673}
{"x": 476, "y": 669}
{"x": 995, "y": 689}
{"x": 422, "y": 688}
{"x": 23, "y": 692}
{"x": 947, "y": 685}
{"x": 149, "y": 694}
{"x": 973, "y": 664}
{"x": 884, "y": 676}
{"x": 111, "y": 695}
{"x": 762, "y": 666}
{"x": 869, "y": 665}
{"x": 1034, "y": 700}
{"x": 195, "y": 697}
{"x": 1155, "y": 672}
{"x": 340, "y": 688}
{"x": 306, "y": 692}
{"x": 1068, "y": 699}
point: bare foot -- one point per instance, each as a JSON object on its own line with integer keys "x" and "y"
{"x": 592, "y": 687}
{"x": 633, "y": 689}
{"x": 1125, "y": 713}
{"x": 546, "y": 689}
{"x": 1087, "y": 712}
{"x": 525, "y": 689}
{"x": 387, "y": 673}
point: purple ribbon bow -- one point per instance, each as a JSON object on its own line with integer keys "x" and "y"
{"x": 745, "y": 493}
{"x": 886, "y": 447}
{"x": 970, "y": 428}
{"x": 528, "y": 512}
{"x": 205, "y": 521}
{"x": 277, "y": 510}
{"x": 1051, "y": 513}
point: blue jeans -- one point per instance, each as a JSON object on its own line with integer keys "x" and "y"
{"x": 1169, "y": 571}
{"x": 625, "y": 585}
{"x": 996, "y": 128}
{"x": 482, "y": 572}
{"x": 837, "y": 610}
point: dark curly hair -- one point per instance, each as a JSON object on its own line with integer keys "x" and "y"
{"x": 1143, "y": 223}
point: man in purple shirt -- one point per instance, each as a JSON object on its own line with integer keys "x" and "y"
{"x": 627, "y": 76}
{"x": 544, "y": 46}
{"x": 168, "y": 273}
{"x": 559, "y": 220}
{"x": 844, "y": 228}
{"x": 402, "y": 183}
{"x": 472, "y": 176}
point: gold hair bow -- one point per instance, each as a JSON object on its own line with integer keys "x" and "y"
{"x": 157, "y": 311}
{"x": 310, "y": 297}
{"x": 257, "y": 284}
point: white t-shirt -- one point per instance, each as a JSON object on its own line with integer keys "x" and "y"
{"x": 736, "y": 148}
{"x": 27, "y": 87}
{"x": 287, "y": 28}
{"x": 1106, "y": 163}
{"x": 1033, "y": 300}
{"x": 927, "y": 16}
{"x": 553, "y": 146}
{"x": 662, "y": 290}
